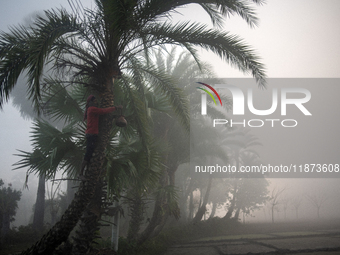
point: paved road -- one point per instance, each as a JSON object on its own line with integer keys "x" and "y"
{"x": 302, "y": 243}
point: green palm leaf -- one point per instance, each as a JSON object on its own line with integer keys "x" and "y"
{"x": 229, "y": 47}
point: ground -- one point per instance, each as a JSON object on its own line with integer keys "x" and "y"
{"x": 314, "y": 238}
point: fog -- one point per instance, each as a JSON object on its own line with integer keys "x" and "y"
{"x": 295, "y": 39}
{"x": 285, "y": 153}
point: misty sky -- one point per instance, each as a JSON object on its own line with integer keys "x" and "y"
{"x": 295, "y": 38}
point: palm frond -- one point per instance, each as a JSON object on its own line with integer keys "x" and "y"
{"x": 13, "y": 59}
{"x": 152, "y": 10}
{"x": 229, "y": 47}
{"x": 47, "y": 30}
{"x": 29, "y": 48}
{"x": 53, "y": 150}
{"x": 59, "y": 103}
{"x": 168, "y": 88}
{"x": 138, "y": 114}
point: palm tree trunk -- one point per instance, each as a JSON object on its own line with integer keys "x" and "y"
{"x": 137, "y": 210}
{"x": 188, "y": 193}
{"x": 201, "y": 211}
{"x": 232, "y": 204}
{"x": 237, "y": 214}
{"x": 191, "y": 206}
{"x": 89, "y": 222}
{"x": 61, "y": 230}
{"x": 230, "y": 210}
{"x": 39, "y": 210}
{"x": 165, "y": 216}
{"x": 70, "y": 191}
{"x": 213, "y": 211}
{"x": 159, "y": 210}
{"x": 154, "y": 221}
{"x": 53, "y": 211}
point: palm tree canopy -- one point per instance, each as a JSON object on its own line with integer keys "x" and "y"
{"x": 99, "y": 44}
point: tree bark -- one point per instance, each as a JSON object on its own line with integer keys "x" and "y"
{"x": 89, "y": 222}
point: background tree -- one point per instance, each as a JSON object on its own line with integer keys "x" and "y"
{"x": 274, "y": 199}
{"x": 317, "y": 200}
{"x": 239, "y": 143}
{"x": 206, "y": 152}
{"x": 252, "y": 192}
{"x": 203, "y": 204}
{"x": 285, "y": 201}
{"x": 251, "y": 195}
{"x": 181, "y": 67}
{"x": 218, "y": 195}
{"x": 9, "y": 198}
{"x": 39, "y": 209}
{"x": 297, "y": 202}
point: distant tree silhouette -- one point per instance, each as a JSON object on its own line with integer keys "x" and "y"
{"x": 318, "y": 201}
{"x": 9, "y": 198}
{"x": 296, "y": 202}
{"x": 274, "y": 199}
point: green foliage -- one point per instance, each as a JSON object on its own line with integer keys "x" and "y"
{"x": 110, "y": 36}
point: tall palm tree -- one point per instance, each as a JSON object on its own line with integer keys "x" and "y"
{"x": 97, "y": 47}
{"x": 56, "y": 149}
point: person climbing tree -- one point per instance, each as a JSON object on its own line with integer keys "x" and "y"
{"x": 91, "y": 115}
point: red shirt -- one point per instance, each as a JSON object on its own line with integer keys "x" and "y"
{"x": 93, "y": 118}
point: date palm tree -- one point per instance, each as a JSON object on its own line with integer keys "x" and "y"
{"x": 95, "y": 47}
{"x": 56, "y": 150}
